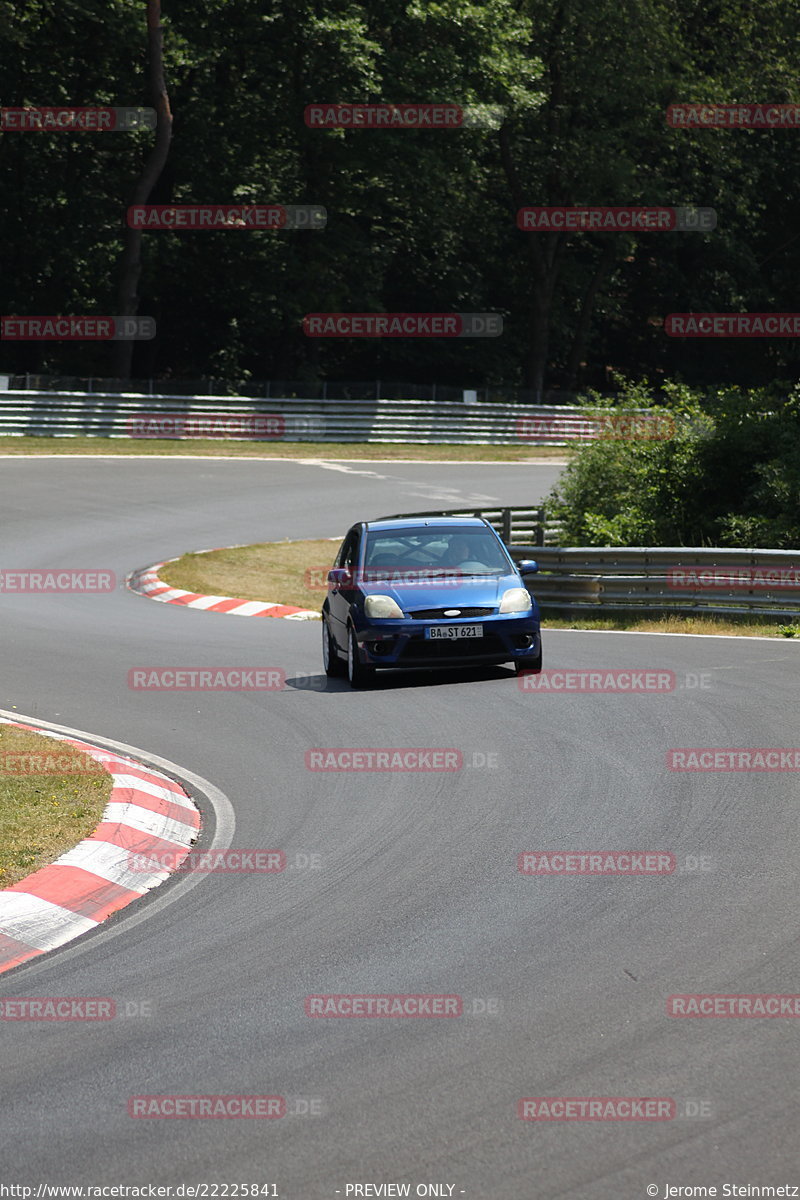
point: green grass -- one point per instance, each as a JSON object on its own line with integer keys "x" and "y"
{"x": 280, "y": 572}
{"x": 741, "y": 627}
{"x": 42, "y": 816}
{"x": 365, "y": 451}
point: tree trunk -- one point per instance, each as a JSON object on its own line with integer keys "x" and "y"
{"x": 131, "y": 261}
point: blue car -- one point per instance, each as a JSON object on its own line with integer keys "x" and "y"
{"x": 427, "y": 592}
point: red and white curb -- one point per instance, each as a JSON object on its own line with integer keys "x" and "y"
{"x": 147, "y": 583}
{"x": 147, "y": 812}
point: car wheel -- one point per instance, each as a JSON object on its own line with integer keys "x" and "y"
{"x": 357, "y": 673}
{"x": 334, "y": 667}
{"x": 530, "y": 666}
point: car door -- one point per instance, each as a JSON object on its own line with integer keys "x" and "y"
{"x": 340, "y": 595}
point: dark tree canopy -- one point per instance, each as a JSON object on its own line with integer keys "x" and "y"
{"x": 574, "y": 93}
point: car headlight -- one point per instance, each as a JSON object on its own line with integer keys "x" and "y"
{"x": 381, "y": 607}
{"x": 516, "y": 600}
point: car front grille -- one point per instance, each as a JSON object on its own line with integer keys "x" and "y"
{"x": 452, "y": 648}
{"x": 439, "y": 614}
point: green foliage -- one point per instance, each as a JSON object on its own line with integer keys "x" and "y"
{"x": 418, "y": 220}
{"x": 728, "y": 476}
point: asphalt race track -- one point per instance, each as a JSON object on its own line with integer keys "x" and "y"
{"x": 564, "y": 979}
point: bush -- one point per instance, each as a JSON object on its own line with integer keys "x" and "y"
{"x": 728, "y": 476}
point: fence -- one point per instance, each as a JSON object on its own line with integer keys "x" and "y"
{"x": 519, "y": 528}
{"x": 645, "y": 579}
{"x": 122, "y": 415}
{"x": 680, "y": 579}
{"x": 291, "y": 389}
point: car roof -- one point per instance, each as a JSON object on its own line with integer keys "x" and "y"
{"x": 399, "y": 523}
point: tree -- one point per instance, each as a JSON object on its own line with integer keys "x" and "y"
{"x": 131, "y": 266}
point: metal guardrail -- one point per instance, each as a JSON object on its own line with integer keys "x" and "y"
{"x": 644, "y": 579}
{"x": 114, "y": 415}
{"x": 676, "y": 579}
{"x": 518, "y": 527}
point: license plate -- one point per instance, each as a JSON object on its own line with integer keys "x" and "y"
{"x": 446, "y": 632}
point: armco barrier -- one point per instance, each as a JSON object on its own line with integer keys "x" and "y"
{"x": 516, "y": 526}
{"x": 111, "y": 415}
{"x": 645, "y": 579}
{"x": 674, "y": 579}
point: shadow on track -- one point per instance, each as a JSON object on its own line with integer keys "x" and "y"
{"x": 409, "y": 677}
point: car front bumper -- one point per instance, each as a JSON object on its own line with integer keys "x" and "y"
{"x": 395, "y": 643}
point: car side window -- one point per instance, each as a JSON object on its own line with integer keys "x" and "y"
{"x": 351, "y": 551}
{"x": 343, "y": 550}
{"x": 348, "y": 554}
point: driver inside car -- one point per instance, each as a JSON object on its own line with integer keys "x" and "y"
{"x": 460, "y": 555}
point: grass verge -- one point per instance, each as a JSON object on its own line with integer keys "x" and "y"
{"x": 295, "y": 573}
{"x": 363, "y": 451}
{"x": 51, "y": 796}
{"x": 278, "y": 572}
{"x": 735, "y": 627}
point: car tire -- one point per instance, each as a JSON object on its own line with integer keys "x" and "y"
{"x": 530, "y": 666}
{"x": 358, "y": 675}
{"x": 334, "y": 667}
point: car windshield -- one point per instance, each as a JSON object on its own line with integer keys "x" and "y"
{"x": 431, "y": 551}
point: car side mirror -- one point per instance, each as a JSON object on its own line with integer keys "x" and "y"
{"x": 528, "y": 566}
{"x": 340, "y": 576}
